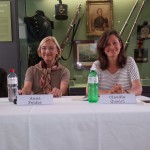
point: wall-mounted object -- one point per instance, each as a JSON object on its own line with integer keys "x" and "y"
{"x": 143, "y": 31}
{"x": 38, "y": 26}
{"x": 61, "y": 11}
{"x": 99, "y": 17}
{"x": 141, "y": 54}
{"x": 135, "y": 21}
{"x": 71, "y": 27}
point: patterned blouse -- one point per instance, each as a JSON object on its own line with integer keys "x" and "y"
{"x": 124, "y": 76}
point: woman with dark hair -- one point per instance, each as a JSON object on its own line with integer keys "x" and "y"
{"x": 117, "y": 72}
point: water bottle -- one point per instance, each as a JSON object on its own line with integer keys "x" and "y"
{"x": 93, "y": 86}
{"x": 12, "y": 84}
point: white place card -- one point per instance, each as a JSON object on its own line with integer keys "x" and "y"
{"x": 143, "y": 100}
{"x": 42, "y": 99}
{"x": 117, "y": 99}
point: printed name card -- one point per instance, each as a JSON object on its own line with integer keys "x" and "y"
{"x": 117, "y": 99}
{"x": 42, "y": 99}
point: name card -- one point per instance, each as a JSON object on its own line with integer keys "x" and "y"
{"x": 117, "y": 99}
{"x": 42, "y": 99}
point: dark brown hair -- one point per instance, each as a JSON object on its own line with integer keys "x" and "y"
{"x": 102, "y": 57}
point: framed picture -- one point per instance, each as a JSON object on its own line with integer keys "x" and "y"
{"x": 99, "y": 16}
{"x": 84, "y": 53}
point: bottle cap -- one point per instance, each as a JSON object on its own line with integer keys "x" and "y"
{"x": 93, "y": 69}
{"x": 11, "y": 70}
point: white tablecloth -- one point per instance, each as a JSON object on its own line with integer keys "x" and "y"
{"x": 71, "y": 124}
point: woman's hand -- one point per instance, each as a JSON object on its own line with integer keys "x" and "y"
{"x": 56, "y": 92}
{"x": 117, "y": 89}
{"x": 20, "y": 91}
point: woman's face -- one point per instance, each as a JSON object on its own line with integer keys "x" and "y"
{"x": 113, "y": 47}
{"x": 49, "y": 51}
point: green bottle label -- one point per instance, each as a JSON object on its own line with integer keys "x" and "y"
{"x": 92, "y": 79}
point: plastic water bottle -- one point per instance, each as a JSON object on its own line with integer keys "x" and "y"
{"x": 12, "y": 84}
{"x": 93, "y": 86}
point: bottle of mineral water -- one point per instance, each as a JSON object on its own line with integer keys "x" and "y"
{"x": 12, "y": 84}
{"x": 93, "y": 86}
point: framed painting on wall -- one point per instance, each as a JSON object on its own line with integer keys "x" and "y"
{"x": 99, "y": 16}
{"x": 84, "y": 53}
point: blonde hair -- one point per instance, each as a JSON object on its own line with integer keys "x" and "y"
{"x": 52, "y": 38}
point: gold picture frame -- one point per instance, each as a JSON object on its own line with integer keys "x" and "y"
{"x": 84, "y": 53}
{"x": 99, "y": 16}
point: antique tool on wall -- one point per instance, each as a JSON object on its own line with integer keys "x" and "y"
{"x": 61, "y": 11}
{"x": 126, "y": 22}
{"x": 70, "y": 27}
{"x": 127, "y": 41}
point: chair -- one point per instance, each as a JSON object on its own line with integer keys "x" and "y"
{"x": 3, "y": 83}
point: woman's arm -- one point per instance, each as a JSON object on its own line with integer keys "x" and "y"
{"x": 64, "y": 85}
{"x": 99, "y": 91}
{"x": 27, "y": 89}
{"x": 136, "y": 87}
{"x": 62, "y": 91}
{"x": 104, "y": 92}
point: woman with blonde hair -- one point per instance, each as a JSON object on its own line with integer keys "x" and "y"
{"x": 48, "y": 76}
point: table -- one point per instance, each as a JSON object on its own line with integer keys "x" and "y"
{"x": 72, "y": 124}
